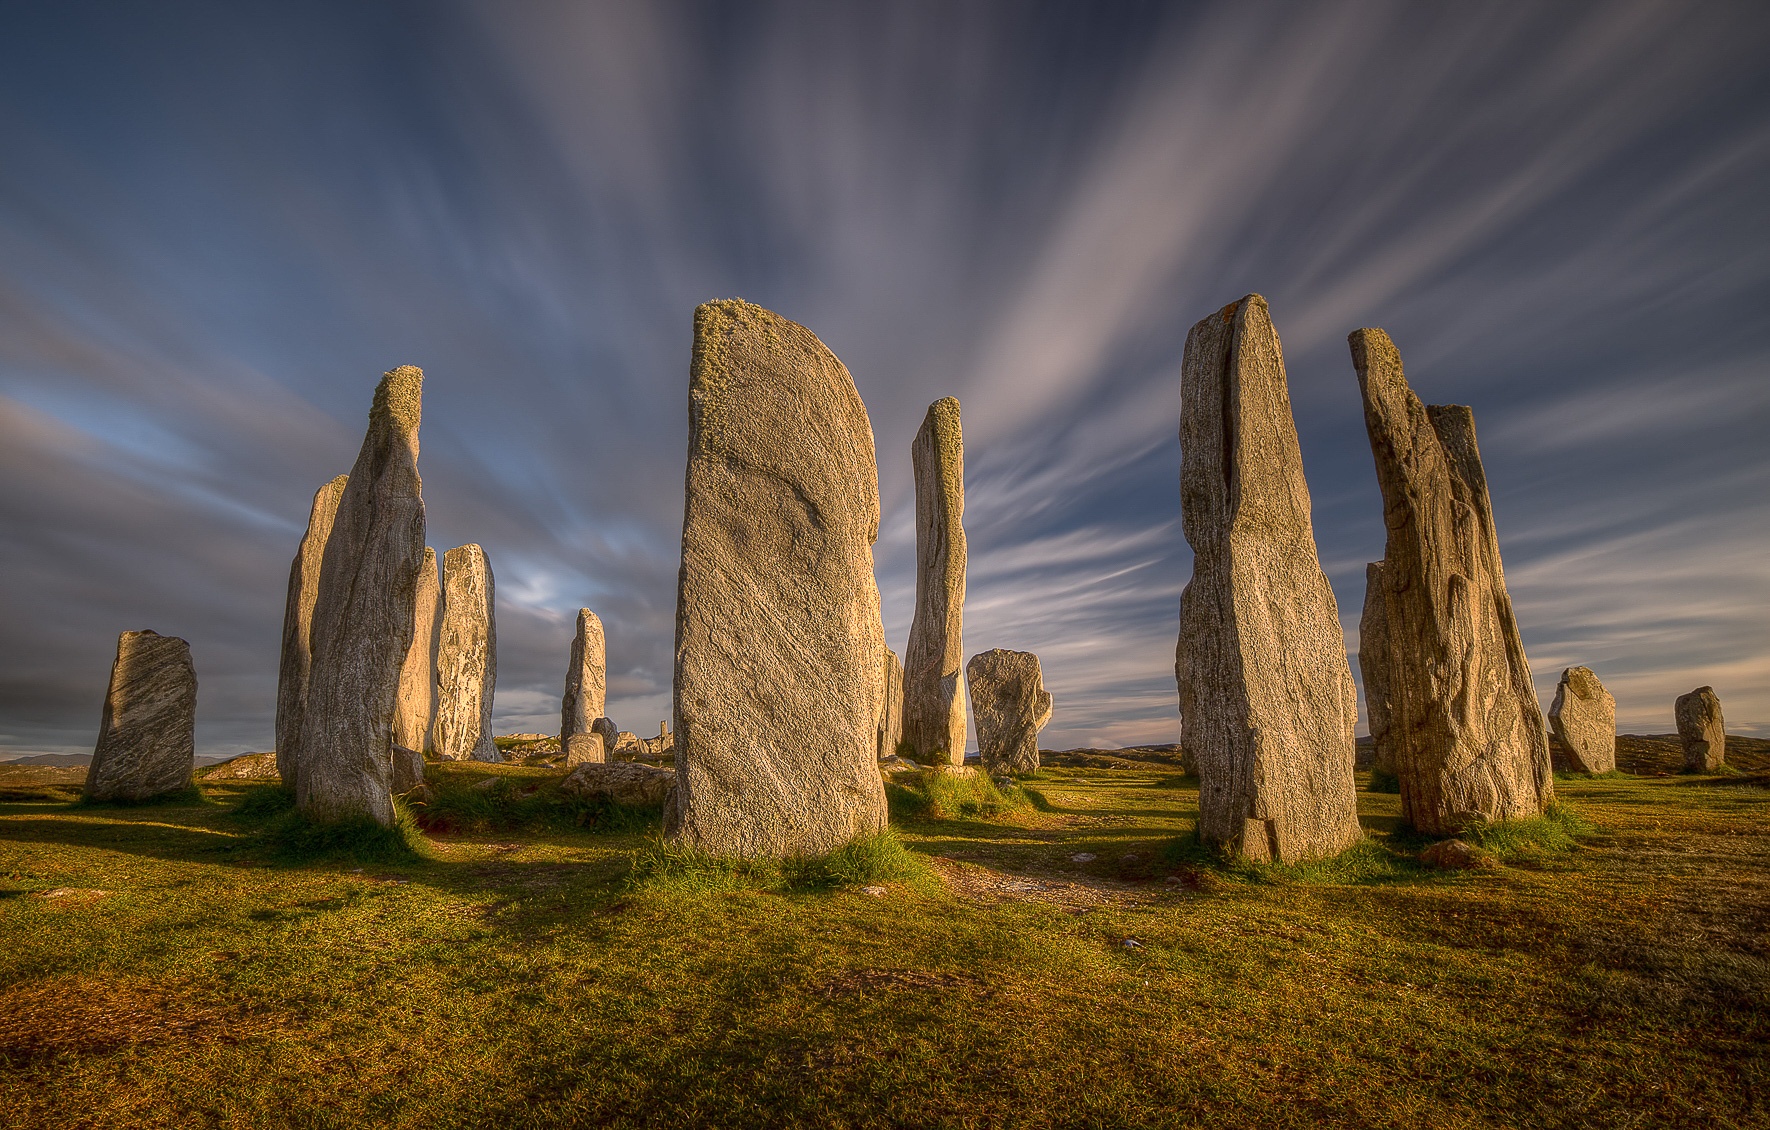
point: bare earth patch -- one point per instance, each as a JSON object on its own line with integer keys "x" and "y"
{"x": 984, "y": 884}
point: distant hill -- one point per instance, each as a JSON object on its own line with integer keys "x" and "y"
{"x": 68, "y": 760}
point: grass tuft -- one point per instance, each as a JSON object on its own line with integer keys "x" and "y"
{"x": 1556, "y": 831}
{"x": 934, "y": 795}
{"x": 290, "y": 837}
{"x": 1383, "y": 781}
{"x": 467, "y": 802}
{"x": 661, "y": 865}
{"x": 1366, "y": 861}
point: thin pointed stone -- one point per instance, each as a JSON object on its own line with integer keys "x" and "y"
{"x": 890, "y": 705}
{"x": 1373, "y": 643}
{"x": 933, "y": 669}
{"x": 467, "y": 658}
{"x": 362, "y": 618}
{"x": 778, "y": 634}
{"x": 1267, "y": 700}
{"x": 586, "y": 679}
{"x": 297, "y": 656}
{"x": 417, "y": 675}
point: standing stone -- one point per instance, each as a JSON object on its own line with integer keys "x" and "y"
{"x": 1267, "y": 701}
{"x": 586, "y": 679}
{"x": 777, "y": 616}
{"x": 297, "y": 659}
{"x": 933, "y": 707}
{"x": 1468, "y": 734}
{"x": 147, "y": 737}
{"x": 417, "y": 676}
{"x": 407, "y": 772}
{"x": 466, "y": 658}
{"x": 890, "y": 705}
{"x": 1582, "y": 721}
{"x": 1009, "y": 699}
{"x": 610, "y": 734}
{"x": 588, "y": 748}
{"x": 1373, "y": 643}
{"x": 1702, "y": 730}
{"x": 362, "y": 617}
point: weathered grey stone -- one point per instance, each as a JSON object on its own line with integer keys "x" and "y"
{"x": 637, "y": 786}
{"x": 297, "y": 657}
{"x": 626, "y": 743}
{"x": 417, "y": 675}
{"x": 1702, "y": 730}
{"x": 408, "y": 769}
{"x": 585, "y": 749}
{"x": 586, "y": 678}
{"x": 933, "y": 705}
{"x": 1582, "y": 721}
{"x": 1010, "y": 704}
{"x": 1267, "y": 701}
{"x": 891, "y": 706}
{"x": 777, "y": 616}
{"x": 1373, "y": 642}
{"x": 610, "y": 734}
{"x": 1468, "y": 734}
{"x": 362, "y": 616}
{"x": 466, "y": 658}
{"x": 147, "y": 736}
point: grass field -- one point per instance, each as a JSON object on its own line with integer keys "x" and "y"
{"x": 536, "y": 963}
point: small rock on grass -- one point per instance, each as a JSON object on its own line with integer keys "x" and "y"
{"x": 876, "y": 892}
{"x": 1455, "y": 855}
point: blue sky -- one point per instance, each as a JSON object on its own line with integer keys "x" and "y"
{"x": 219, "y": 223}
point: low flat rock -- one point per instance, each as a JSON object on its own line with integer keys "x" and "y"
{"x": 246, "y": 767}
{"x": 1702, "y": 730}
{"x": 1010, "y": 704}
{"x": 147, "y": 737}
{"x": 620, "y": 782}
{"x": 1582, "y": 724}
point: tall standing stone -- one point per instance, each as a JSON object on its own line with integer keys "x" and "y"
{"x": 890, "y": 705}
{"x": 466, "y": 658}
{"x": 147, "y": 737}
{"x": 1267, "y": 701}
{"x": 586, "y": 679}
{"x": 297, "y": 658}
{"x": 933, "y": 703}
{"x": 1582, "y": 722}
{"x": 778, "y": 634}
{"x": 1702, "y": 730}
{"x": 1373, "y": 644}
{"x": 417, "y": 675}
{"x": 1011, "y": 705}
{"x": 362, "y": 616}
{"x": 1468, "y": 733}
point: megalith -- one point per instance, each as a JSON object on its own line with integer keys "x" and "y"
{"x": 1582, "y": 722}
{"x": 1267, "y": 702}
{"x": 586, "y": 679}
{"x": 147, "y": 734}
{"x": 933, "y": 702}
{"x": 1468, "y": 734}
{"x": 417, "y": 675}
{"x": 1373, "y": 641}
{"x": 1011, "y": 705}
{"x": 466, "y": 658}
{"x": 890, "y": 704}
{"x": 363, "y": 614}
{"x": 778, "y": 633}
{"x": 1702, "y": 730}
{"x": 297, "y": 656}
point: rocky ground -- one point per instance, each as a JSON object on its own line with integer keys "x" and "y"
{"x": 1060, "y": 955}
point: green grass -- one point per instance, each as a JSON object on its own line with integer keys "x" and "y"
{"x": 1059, "y": 957}
{"x": 934, "y": 795}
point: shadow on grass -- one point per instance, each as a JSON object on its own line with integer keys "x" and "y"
{"x": 882, "y": 858}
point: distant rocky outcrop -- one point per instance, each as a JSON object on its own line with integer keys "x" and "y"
{"x": 466, "y": 658}
{"x": 1011, "y": 705}
{"x": 1267, "y": 702}
{"x": 297, "y": 654}
{"x": 778, "y": 634}
{"x": 933, "y": 701}
{"x": 363, "y": 615}
{"x": 624, "y": 783}
{"x": 1582, "y": 724}
{"x": 147, "y": 736}
{"x": 1469, "y": 739}
{"x": 1702, "y": 730}
{"x": 245, "y": 767}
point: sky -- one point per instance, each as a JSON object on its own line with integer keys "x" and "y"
{"x": 221, "y": 222}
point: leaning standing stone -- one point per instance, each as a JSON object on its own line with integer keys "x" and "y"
{"x": 417, "y": 676}
{"x": 362, "y": 616}
{"x": 466, "y": 658}
{"x": 1469, "y": 739}
{"x": 1582, "y": 720}
{"x": 933, "y": 707}
{"x": 297, "y": 658}
{"x": 1267, "y": 701}
{"x": 147, "y": 738}
{"x": 1702, "y": 730}
{"x": 1011, "y": 705}
{"x": 891, "y": 705}
{"x": 586, "y": 679}
{"x": 1373, "y": 643}
{"x": 778, "y": 635}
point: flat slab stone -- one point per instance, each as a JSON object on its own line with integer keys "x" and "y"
{"x": 467, "y": 658}
{"x": 1582, "y": 723}
{"x": 417, "y": 674}
{"x": 1011, "y": 705}
{"x": 147, "y": 735}
{"x": 1702, "y": 730}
